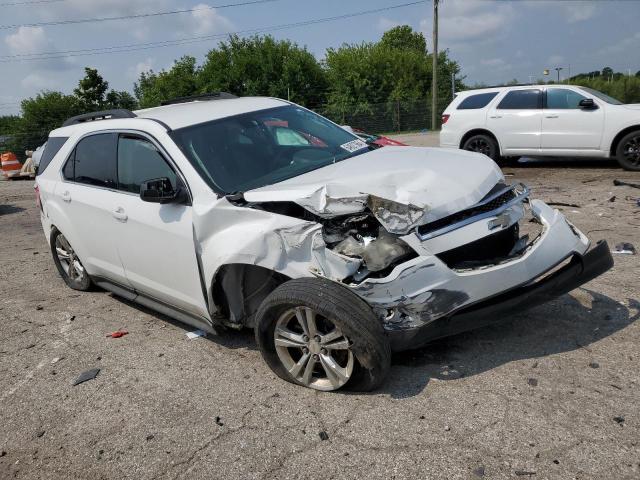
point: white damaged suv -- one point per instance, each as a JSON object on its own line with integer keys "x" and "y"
{"x": 256, "y": 212}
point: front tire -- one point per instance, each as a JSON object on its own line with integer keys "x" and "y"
{"x": 67, "y": 262}
{"x": 317, "y": 334}
{"x": 628, "y": 151}
{"x": 484, "y": 144}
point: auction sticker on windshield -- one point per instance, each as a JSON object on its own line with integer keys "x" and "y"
{"x": 353, "y": 145}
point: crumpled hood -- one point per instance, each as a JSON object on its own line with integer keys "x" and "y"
{"x": 403, "y": 186}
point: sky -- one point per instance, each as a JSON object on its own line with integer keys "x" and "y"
{"x": 494, "y": 41}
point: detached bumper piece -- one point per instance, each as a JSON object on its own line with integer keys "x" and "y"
{"x": 579, "y": 270}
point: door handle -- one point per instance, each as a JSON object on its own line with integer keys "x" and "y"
{"x": 119, "y": 214}
{"x": 66, "y": 196}
{"x": 495, "y": 116}
{"x": 551, "y": 116}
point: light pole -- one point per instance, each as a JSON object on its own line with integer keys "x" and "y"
{"x": 434, "y": 74}
{"x": 557, "y": 69}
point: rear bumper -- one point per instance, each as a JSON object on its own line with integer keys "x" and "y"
{"x": 579, "y": 270}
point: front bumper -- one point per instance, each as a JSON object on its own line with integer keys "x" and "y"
{"x": 579, "y": 270}
{"x": 418, "y": 299}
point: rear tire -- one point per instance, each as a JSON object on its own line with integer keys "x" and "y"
{"x": 67, "y": 262}
{"x": 628, "y": 151}
{"x": 340, "y": 319}
{"x": 484, "y": 144}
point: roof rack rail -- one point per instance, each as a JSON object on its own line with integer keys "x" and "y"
{"x": 506, "y": 86}
{"x": 203, "y": 96}
{"x": 101, "y": 115}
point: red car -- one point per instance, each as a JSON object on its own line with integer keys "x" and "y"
{"x": 371, "y": 138}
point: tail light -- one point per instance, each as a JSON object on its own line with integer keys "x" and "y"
{"x": 445, "y": 117}
{"x": 38, "y": 202}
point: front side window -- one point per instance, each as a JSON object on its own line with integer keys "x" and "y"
{"x": 138, "y": 161}
{"x": 521, "y": 100}
{"x": 474, "y": 102}
{"x": 95, "y": 160}
{"x": 562, "y": 98}
{"x": 247, "y": 151}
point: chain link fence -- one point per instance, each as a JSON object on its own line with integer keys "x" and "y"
{"x": 388, "y": 117}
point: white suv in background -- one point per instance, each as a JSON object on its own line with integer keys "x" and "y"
{"x": 543, "y": 120}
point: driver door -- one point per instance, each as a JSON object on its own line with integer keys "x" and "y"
{"x": 155, "y": 241}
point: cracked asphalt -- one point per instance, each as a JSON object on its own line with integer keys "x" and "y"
{"x": 549, "y": 393}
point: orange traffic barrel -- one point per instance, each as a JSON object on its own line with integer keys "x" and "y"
{"x": 10, "y": 164}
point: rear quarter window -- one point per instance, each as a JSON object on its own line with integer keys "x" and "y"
{"x": 474, "y": 102}
{"x": 53, "y": 146}
{"x": 521, "y": 100}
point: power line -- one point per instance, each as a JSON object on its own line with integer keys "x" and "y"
{"x": 127, "y": 17}
{"x": 33, "y": 2}
{"x": 188, "y": 40}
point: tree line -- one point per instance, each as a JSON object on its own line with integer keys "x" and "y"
{"x": 363, "y": 78}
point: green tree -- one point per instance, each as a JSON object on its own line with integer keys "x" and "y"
{"x": 120, "y": 99}
{"x": 41, "y": 114}
{"x": 91, "y": 89}
{"x": 179, "y": 81}
{"x": 403, "y": 37}
{"x": 261, "y": 65}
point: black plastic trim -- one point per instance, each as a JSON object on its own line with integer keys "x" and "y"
{"x": 100, "y": 115}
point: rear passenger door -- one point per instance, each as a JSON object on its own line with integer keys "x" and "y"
{"x": 155, "y": 241}
{"x": 516, "y": 120}
{"x": 86, "y": 201}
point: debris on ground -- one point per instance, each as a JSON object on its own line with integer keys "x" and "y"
{"x": 563, "y": 204}
{"x": 86, "y": 376}
{"x": 56, "y": 360}
{"x": 624, "y": 248}
{"x": 612, "y": 199}
{"x": 522, "y": 473}
{"x": 219, "y": 422}
{"x": 479, "y": 472}
{"x": 447, "y": 428}
{"x": 323, "y": 435}
{"x": 619, "y": 183}
{"x": 594, "y": 365}
{"x": 196, "y": 334}
{"x": 619, "y": 420}
{"x": 39, "y": 307}
{"x": 533, "y": 382}
{"x": 118, "y": 333}
{"x": 150, "y": 437}
{"x": 40, "y": 433}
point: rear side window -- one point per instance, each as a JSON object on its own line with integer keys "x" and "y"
{"x": 94, "y": 160}
{"x": 474, "y": 102}
{"x": 139, "y": 161}
{"x": 53, "y": 146}
{"x": 521, "y": 100}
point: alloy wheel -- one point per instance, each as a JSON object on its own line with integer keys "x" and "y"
{"x": 631, "y": 151}
{"x": 68, "y": 259}
{"x": 313, "y": 349}
{"x": 479, "y": 145}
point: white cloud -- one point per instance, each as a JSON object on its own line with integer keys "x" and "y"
{"x": 27, "y": 40}
{"x": 385, "y": 24}
{"x": 36, "y": 81}
{"x": 144, "y": 66}
{"x": 493, "y": 62}
{"x": 470, "y": 20}
{"x": 629, "y": 44}
{"x": 580, "y": 11}
{"x": 204, "y": 20}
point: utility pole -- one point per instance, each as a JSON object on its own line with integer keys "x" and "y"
{"x": 434, "y": 74}
{"x": 453, "y": 85}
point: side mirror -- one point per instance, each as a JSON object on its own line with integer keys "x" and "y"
{"x": 160, "y": 190}
{"x": 587, "y": 104}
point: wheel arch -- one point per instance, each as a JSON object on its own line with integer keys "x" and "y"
{"x": 479, "y": 131}
{"x": 616, "y": 140}
{"x": 238, "y": 289}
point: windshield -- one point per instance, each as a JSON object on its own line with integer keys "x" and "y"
{"x": 602, "y": 96}
{"x": 247, "y": 151}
